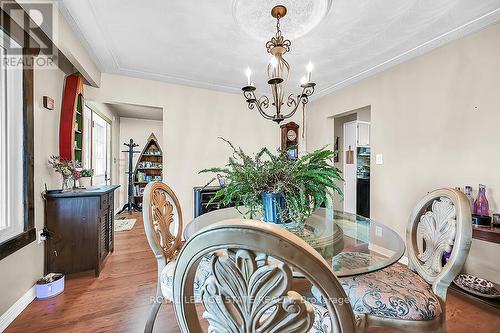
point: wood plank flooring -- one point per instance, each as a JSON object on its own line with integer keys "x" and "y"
{"x": 119, "y": 300}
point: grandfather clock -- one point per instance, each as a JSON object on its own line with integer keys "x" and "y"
{"x": 290, "y": 139}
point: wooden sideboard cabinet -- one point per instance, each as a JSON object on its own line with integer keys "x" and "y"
{"x": 79, "y": 229}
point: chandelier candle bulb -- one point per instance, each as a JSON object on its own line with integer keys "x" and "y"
{"x": 310, "y": 68}
{"x": 249, "y": 74}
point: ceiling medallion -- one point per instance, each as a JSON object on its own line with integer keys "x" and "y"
{"x": 252, "y": 16}
{"x": 278, "y": 71}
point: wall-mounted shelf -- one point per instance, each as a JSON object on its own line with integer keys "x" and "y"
{"x": 71, "y": 123}
{"x": 486, "y": 233}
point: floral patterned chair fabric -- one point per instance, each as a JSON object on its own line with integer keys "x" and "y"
{"x": 394, "y": 292}
{"x": 412, "y": 299}
{"x": 167, "y": 278}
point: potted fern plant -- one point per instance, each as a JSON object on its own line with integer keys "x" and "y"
{"x": 280, "y": 189}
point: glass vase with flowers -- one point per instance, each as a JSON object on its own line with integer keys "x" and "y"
{"x": 66, "y": 168}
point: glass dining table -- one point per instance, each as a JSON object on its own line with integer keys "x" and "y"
{"x": 350, "y": 243}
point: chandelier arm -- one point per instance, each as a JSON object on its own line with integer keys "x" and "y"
{"x": 296, "y": 100}
{"x": 261, "y": 103}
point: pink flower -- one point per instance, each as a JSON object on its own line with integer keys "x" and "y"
{"x": 76, "y": 175}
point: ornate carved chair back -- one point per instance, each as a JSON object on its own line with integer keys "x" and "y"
{"x": 162, "y": 217}
{"x": 250, "y": 286}
{"x": 441, "y": 222}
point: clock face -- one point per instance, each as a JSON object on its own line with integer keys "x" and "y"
{"x": 291, "y": 135}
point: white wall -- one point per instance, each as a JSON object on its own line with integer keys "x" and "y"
{"x": 20, "y": 270}
{"x": 192, "y": 120}
{"x": 436, "y": 121}
{"x": 139, "y": 130}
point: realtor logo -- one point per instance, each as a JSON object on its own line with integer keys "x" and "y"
{"x": 39, "y": 24}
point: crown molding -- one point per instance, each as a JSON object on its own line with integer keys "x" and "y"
{"x": 470, "y": 27}
{"x": 113, "y": 65}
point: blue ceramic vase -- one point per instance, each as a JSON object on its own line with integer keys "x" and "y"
{"x": 273, "y": 204}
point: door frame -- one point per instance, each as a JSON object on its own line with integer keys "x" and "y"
{"x": 94, "y": 110}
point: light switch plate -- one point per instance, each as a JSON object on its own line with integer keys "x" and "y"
{"x": 379, "y": 159}
{"x": 378, "y": 231}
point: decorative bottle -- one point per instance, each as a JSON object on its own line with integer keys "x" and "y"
{"x": 481, "y": 206}
{"x": 468, "y": 194}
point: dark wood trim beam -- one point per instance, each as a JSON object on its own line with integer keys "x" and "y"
{"x": 28, "y": 144}
{"x": 12, "y": 245}
{"x": 29, "y": 234}
{"x": 487, "y": 234}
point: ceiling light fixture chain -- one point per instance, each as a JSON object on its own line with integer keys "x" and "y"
{"x": 278, "y": 31}
{"x": 278, "y": 71}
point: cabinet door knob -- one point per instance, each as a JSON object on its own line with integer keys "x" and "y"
{"x": 55, "y": 253}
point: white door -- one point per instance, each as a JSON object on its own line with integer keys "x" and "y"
{"x": 349, "y": 173}
{"x": 363, "y": 134}
{"x": 100, "y": 150}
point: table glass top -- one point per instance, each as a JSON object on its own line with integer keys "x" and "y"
{"x": 350, "y": 243}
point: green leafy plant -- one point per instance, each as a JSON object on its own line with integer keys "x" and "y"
{"x": 305, "y": 183}
{"x": 87, "y": 172}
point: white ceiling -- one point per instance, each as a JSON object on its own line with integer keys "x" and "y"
{"x": 200, "y": 43}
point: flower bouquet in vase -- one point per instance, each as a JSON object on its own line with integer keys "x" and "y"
{"x": 66, "y": 168}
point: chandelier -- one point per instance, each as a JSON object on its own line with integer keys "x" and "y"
{"x": 278, "y": 71}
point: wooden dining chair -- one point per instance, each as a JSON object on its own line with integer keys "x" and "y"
{"x": 412, "y": 298}
{"x": 162, "y": 218}
{"x": 248, "y": 291}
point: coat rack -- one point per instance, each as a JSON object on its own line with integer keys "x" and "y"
{"x": 130, "y": 205}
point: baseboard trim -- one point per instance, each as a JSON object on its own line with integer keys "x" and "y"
{"x": 8, "y": 316}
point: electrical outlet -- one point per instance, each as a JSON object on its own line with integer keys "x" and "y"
{"x": 39, "y": 237}
{"x": 379, "y": 159}
{"x": 378, "y": 231}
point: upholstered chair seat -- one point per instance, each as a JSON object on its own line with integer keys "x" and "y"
{"x": 167, "y": 277}
{"x": 412, "y": 298}
{"x": 394, "y": 292}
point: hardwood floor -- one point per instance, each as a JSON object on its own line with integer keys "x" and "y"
{"x": 119, "y": 300}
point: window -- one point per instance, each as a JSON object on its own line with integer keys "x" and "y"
{"x": 17, "y": 227}
{"x": 11, "y": 144}
{"x": 97, "y": 145}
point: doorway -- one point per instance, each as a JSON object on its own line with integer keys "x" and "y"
{"x": 353, "y": 142}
